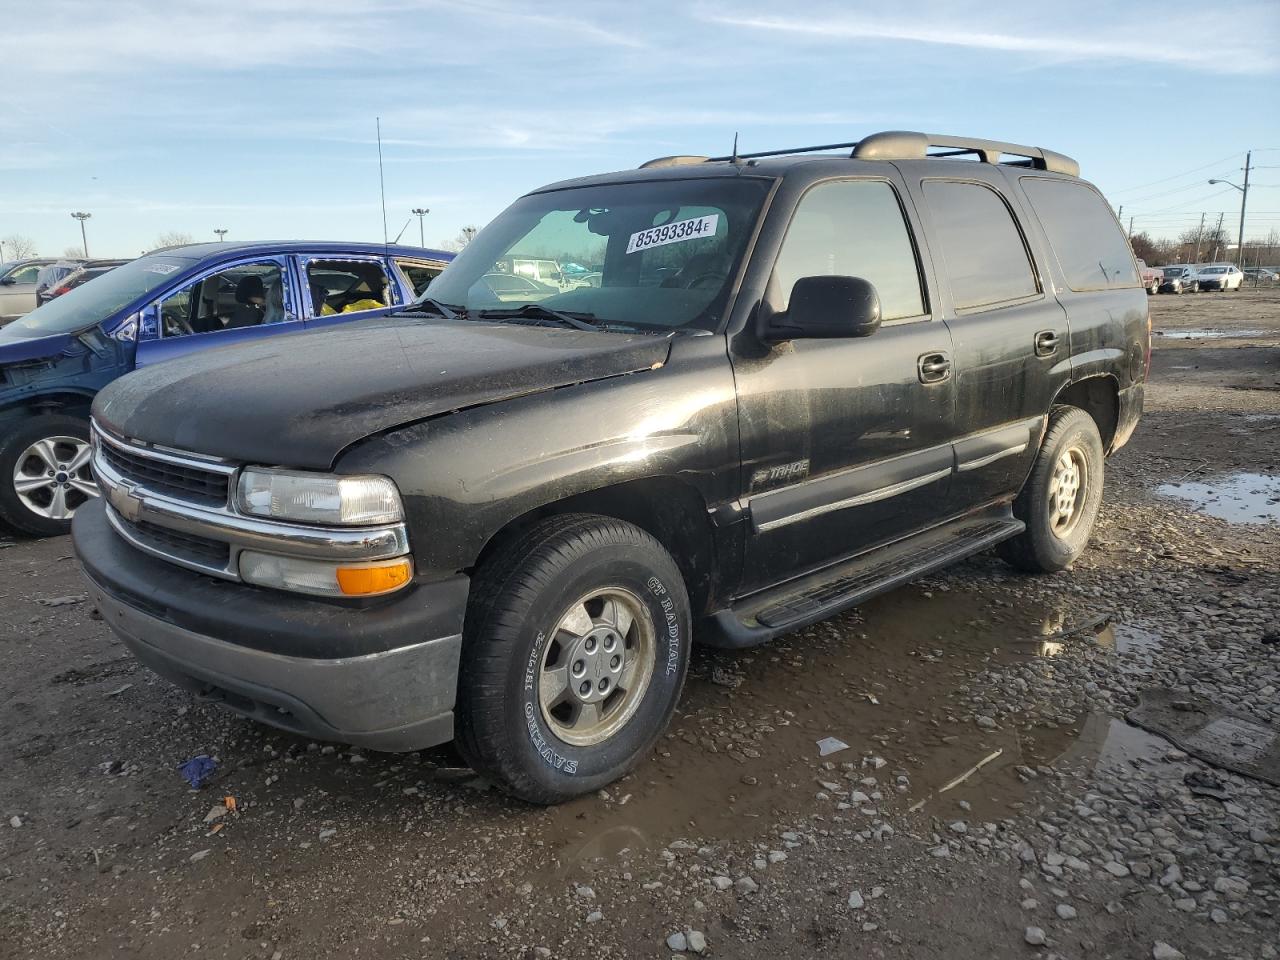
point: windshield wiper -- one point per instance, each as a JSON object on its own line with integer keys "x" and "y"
{"x": 536, "y": 311}
{"x": 441, "y": 309}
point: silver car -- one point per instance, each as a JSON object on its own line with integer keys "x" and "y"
{"x": 18, "y": 287}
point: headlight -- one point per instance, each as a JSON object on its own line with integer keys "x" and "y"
{"x": 325, "y": 579}
{"x": 318, "y": 497}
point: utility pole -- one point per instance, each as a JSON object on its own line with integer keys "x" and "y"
{"x": 1130, "y": 229}
{"x": 1120, "y": 213}
{"x": 1199, "y": 236}
{"x": 420, "y": 212}
{"x": 1217, "y": 236}
{"x": 82, "y": 217}
{"x": 221, "y": 232}
{"x": 1244, "y": 199}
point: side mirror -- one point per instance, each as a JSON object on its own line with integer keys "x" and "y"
{"x": 827, "y": 308}
{"x": 7, "y": 282}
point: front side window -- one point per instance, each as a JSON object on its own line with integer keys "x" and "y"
{"x": 983, "y": 250}
{"x": 652, "y": 254}
{"x": 27, "y": 274}
{"x": 852, "y": 228}
{"x": 1085, "y": 237}
{"x": 246, "y": 295}
{"x": 347, "y": 286}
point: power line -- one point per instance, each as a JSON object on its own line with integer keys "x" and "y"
{"x": 1176, "y": 176}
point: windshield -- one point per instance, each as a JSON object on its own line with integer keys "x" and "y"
{"x": 659, "y": 254}
{"x": 1174, "y": 271}
{"x": 94, "y": 302}
{"x": 1216, "y": 270}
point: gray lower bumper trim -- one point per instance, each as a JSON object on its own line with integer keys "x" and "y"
{"x": 397, "y": 700}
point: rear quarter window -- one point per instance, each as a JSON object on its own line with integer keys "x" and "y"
{"x": 1083, "y": 234}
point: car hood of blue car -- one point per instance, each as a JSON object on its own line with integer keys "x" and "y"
{"x": 19, "y": 348}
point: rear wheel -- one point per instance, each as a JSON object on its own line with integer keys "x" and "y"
{"x": 45, "y": 474}
{"x": 574, "y": 654}
{"x": 1061, "y": 498}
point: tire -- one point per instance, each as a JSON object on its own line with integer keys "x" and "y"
{"x": 40, "y": 445}
{"x": 544, "y": 748}
{"x": 1048, "y": 545}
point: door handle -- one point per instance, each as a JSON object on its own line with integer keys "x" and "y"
{"x": 1046, "y": 343}
{"x": 933, "y": 367}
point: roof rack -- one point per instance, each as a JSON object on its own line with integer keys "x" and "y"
{"x": 909, "y": 145}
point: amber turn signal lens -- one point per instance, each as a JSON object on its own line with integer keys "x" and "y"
{"x": 369, "y": 579}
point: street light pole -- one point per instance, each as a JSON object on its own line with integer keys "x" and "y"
{"x": 82, "y": 217}
{"x": 1244, "y": 199}
{"x": 420, "y": 212}
{"x": 221, "y": 232}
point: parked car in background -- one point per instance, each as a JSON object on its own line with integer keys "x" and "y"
{"x": 18, "y": 287}
{"x": 1220, "y": 276}
{"x": 500, "y": 526}
{"x": 54, "y": 272}
{"x": 54, "y": 360}
{"x": 1261, "y": 275}
{"x": 85, "y": 272}
{"x": 1179, "y": 278}
{"x": 1151, "y": 276}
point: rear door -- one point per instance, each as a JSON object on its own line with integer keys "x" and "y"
{"x": 244, "y": 300}
{"x": 1010, "y": 335}
{"x": 417, "y": 274}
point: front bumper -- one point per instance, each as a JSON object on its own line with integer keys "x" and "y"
{"x": 381, "y": 675}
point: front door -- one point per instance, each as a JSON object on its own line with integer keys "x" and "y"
{"x": 846, "y": 443}
{"x": 18, "y": 292}
{"x": 232, "y": 303}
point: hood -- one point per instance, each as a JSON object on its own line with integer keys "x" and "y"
{"x": 17, "y": 348}
{"x": 299, "y": 401}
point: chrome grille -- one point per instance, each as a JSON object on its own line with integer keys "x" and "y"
{"x": 212, "y": 553}
{"x": 184, "y": 481}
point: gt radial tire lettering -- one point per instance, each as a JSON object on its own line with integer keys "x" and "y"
{"x": 552, "y": 759}
{"x": 673, "y": 624}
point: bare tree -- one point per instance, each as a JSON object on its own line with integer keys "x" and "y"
{"x": 72, "y": 253}
{"x": 465, "y": 236}
{"x": 173, "y": 238}
{"x": 1144, "y": 248}
{"x": 18, "y": 247}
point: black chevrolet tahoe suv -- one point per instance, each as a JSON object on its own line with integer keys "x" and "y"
{"x": 770, "y": 387}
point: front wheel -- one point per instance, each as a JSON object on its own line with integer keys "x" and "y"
{"x": 575, "y": 650}
{"x": 1060, "y": 500}
{"x": 45, "y": 474}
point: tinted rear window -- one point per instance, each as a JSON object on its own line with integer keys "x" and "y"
{"x": 1084, "y": 234}
{"x": 982, "y": 247}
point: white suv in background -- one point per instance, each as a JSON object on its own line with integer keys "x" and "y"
{"x": 1220, "y": 276}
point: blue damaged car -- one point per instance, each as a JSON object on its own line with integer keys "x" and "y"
{"x": 165, "y": 304}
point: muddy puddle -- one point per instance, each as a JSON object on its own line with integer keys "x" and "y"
{"x": 1236, "y": 497}
{"x": 1197, "y": 333}
{"x": 890, "y": 680}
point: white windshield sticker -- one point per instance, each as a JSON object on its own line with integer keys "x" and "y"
{"x": 678, "y": 232}
{"x": 162, "y": 268}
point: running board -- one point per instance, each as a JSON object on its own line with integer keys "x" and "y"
{"x": 798, "y": 603}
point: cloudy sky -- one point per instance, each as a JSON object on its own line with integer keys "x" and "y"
{"x": 259, "y": 117}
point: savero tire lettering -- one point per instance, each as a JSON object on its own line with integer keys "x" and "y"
{"x": 549, "y": 756}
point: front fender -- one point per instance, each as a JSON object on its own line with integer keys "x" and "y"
{"x": 466, "y": 475}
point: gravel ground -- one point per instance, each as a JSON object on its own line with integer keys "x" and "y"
{"x": 991, "y": 801}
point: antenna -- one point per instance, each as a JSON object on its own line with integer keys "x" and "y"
{"x": 734, "y": 158}
{"x": 382, "y": 184}
{"x": 402, "y": 230}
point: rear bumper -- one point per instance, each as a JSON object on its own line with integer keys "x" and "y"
{"x": 382, "y": 676}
